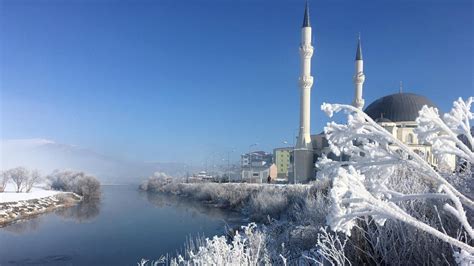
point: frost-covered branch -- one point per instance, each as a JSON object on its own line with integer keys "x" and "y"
{"x": 444, "y": 134}
{"x": 353, "y": 200}
{"x": 331, "y": 248}
{"x": 360, "y": 185}
{"x": 375, "y": 145}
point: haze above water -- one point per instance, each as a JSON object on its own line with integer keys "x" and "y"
{"x": 125, "y": 226}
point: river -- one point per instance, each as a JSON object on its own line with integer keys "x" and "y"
{"x": 125, "y": 226}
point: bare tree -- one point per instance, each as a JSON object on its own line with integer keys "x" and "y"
{"x": 4, "y": 177}
{"x": 33, "y": 178}
{"x": 19, "y": 176}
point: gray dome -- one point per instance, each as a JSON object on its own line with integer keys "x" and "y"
{"x": 398, "y": 107}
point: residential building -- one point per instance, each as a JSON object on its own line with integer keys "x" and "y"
{"x": 259, "y": 174}
{"x": 256, "y": 158}
{"x": 281, "y": 158}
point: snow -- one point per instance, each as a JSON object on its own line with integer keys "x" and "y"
{"x": 36, "y": 193}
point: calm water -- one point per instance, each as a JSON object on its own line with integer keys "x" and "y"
{"x": 125, "y": 226}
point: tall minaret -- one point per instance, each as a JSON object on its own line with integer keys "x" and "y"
{"x": 359, "y": 77}
{"x": 304, "y": 150}
{"x": 305, "y": 82}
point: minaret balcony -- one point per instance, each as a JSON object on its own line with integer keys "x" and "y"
{"x": 306, "y": 51}
{"x": 358, "y": 103}
{"x": 306, "y": 82}
{"x": 359, "y": 77}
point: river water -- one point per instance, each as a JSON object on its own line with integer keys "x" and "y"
{"x": 124, "y": 227}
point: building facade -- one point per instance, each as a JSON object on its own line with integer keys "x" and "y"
{"x": 259, "y": 174}
{"x": 256, "y": 158}
{"x": 281, "y": 158}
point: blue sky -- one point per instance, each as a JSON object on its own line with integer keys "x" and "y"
{"x": 183, "y": 80}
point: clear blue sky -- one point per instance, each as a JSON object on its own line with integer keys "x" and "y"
{"x": 170, "y": 80}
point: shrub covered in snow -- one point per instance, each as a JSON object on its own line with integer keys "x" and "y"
{"x": 155, "y": 182}
{"x": 254, "y": 200}
{"x": 246, "y": 248}
{"x": 78, "y": 182}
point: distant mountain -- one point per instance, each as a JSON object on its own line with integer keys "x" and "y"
{"x": 46, "y": 156}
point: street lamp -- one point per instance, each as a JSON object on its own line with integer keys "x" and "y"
{"x": 294, "y": 155}
{"x": 294, "y": 160}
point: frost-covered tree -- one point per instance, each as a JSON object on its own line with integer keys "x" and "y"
{"x": 23, "y": 179}
{"x": 19, "y": 176}
{"x": 4, "y": 178}
{"x": 78, "y": 182}
{"x": 363, "y": 186}
{"x": 33, "y": 178}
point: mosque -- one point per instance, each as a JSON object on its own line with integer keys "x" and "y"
{"x": 396, "y": 113}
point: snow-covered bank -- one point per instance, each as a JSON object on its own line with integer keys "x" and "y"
{"x": 292, "y": 214}
{"x": 16, "y": 206}
{"x": 36, "y": 193}
{"x": 258, "y": 202}
{"x": 45, "y": 201}
{"x": 22, "y": 195}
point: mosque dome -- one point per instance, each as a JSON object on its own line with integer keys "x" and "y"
{"x": 398, "y": 107}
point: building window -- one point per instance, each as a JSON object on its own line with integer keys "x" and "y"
{"x": 256, "y": 174}
{"x": 410, "y": 139}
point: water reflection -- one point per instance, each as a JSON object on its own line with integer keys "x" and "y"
{"x": 50, "y": 260}
{"x": 168, "y": 200}
{"x": 25, "y": 226}
{"x": 82, "y": 212}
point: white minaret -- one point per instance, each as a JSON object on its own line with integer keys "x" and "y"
{"x": 358, "y": 78}
{"x": 303, "y": 159}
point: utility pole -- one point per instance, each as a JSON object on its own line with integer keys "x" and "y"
{"x": 228, "y": 163}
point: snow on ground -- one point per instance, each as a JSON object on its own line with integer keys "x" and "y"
{"x": 36, "y": 193}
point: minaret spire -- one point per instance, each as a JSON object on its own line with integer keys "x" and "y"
{"x": 306, "y": 22}
{"x": 359, "y": 77}
{"x": 303, "y": 154}
{"x": 359, "y": 50}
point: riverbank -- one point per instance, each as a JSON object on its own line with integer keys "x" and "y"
{"x": 259, "y": 202}
{"x": 288, "y": 217}
{"x": 13, "y": 211}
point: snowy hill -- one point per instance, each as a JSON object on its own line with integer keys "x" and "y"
{"x": 47, "y": 155}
